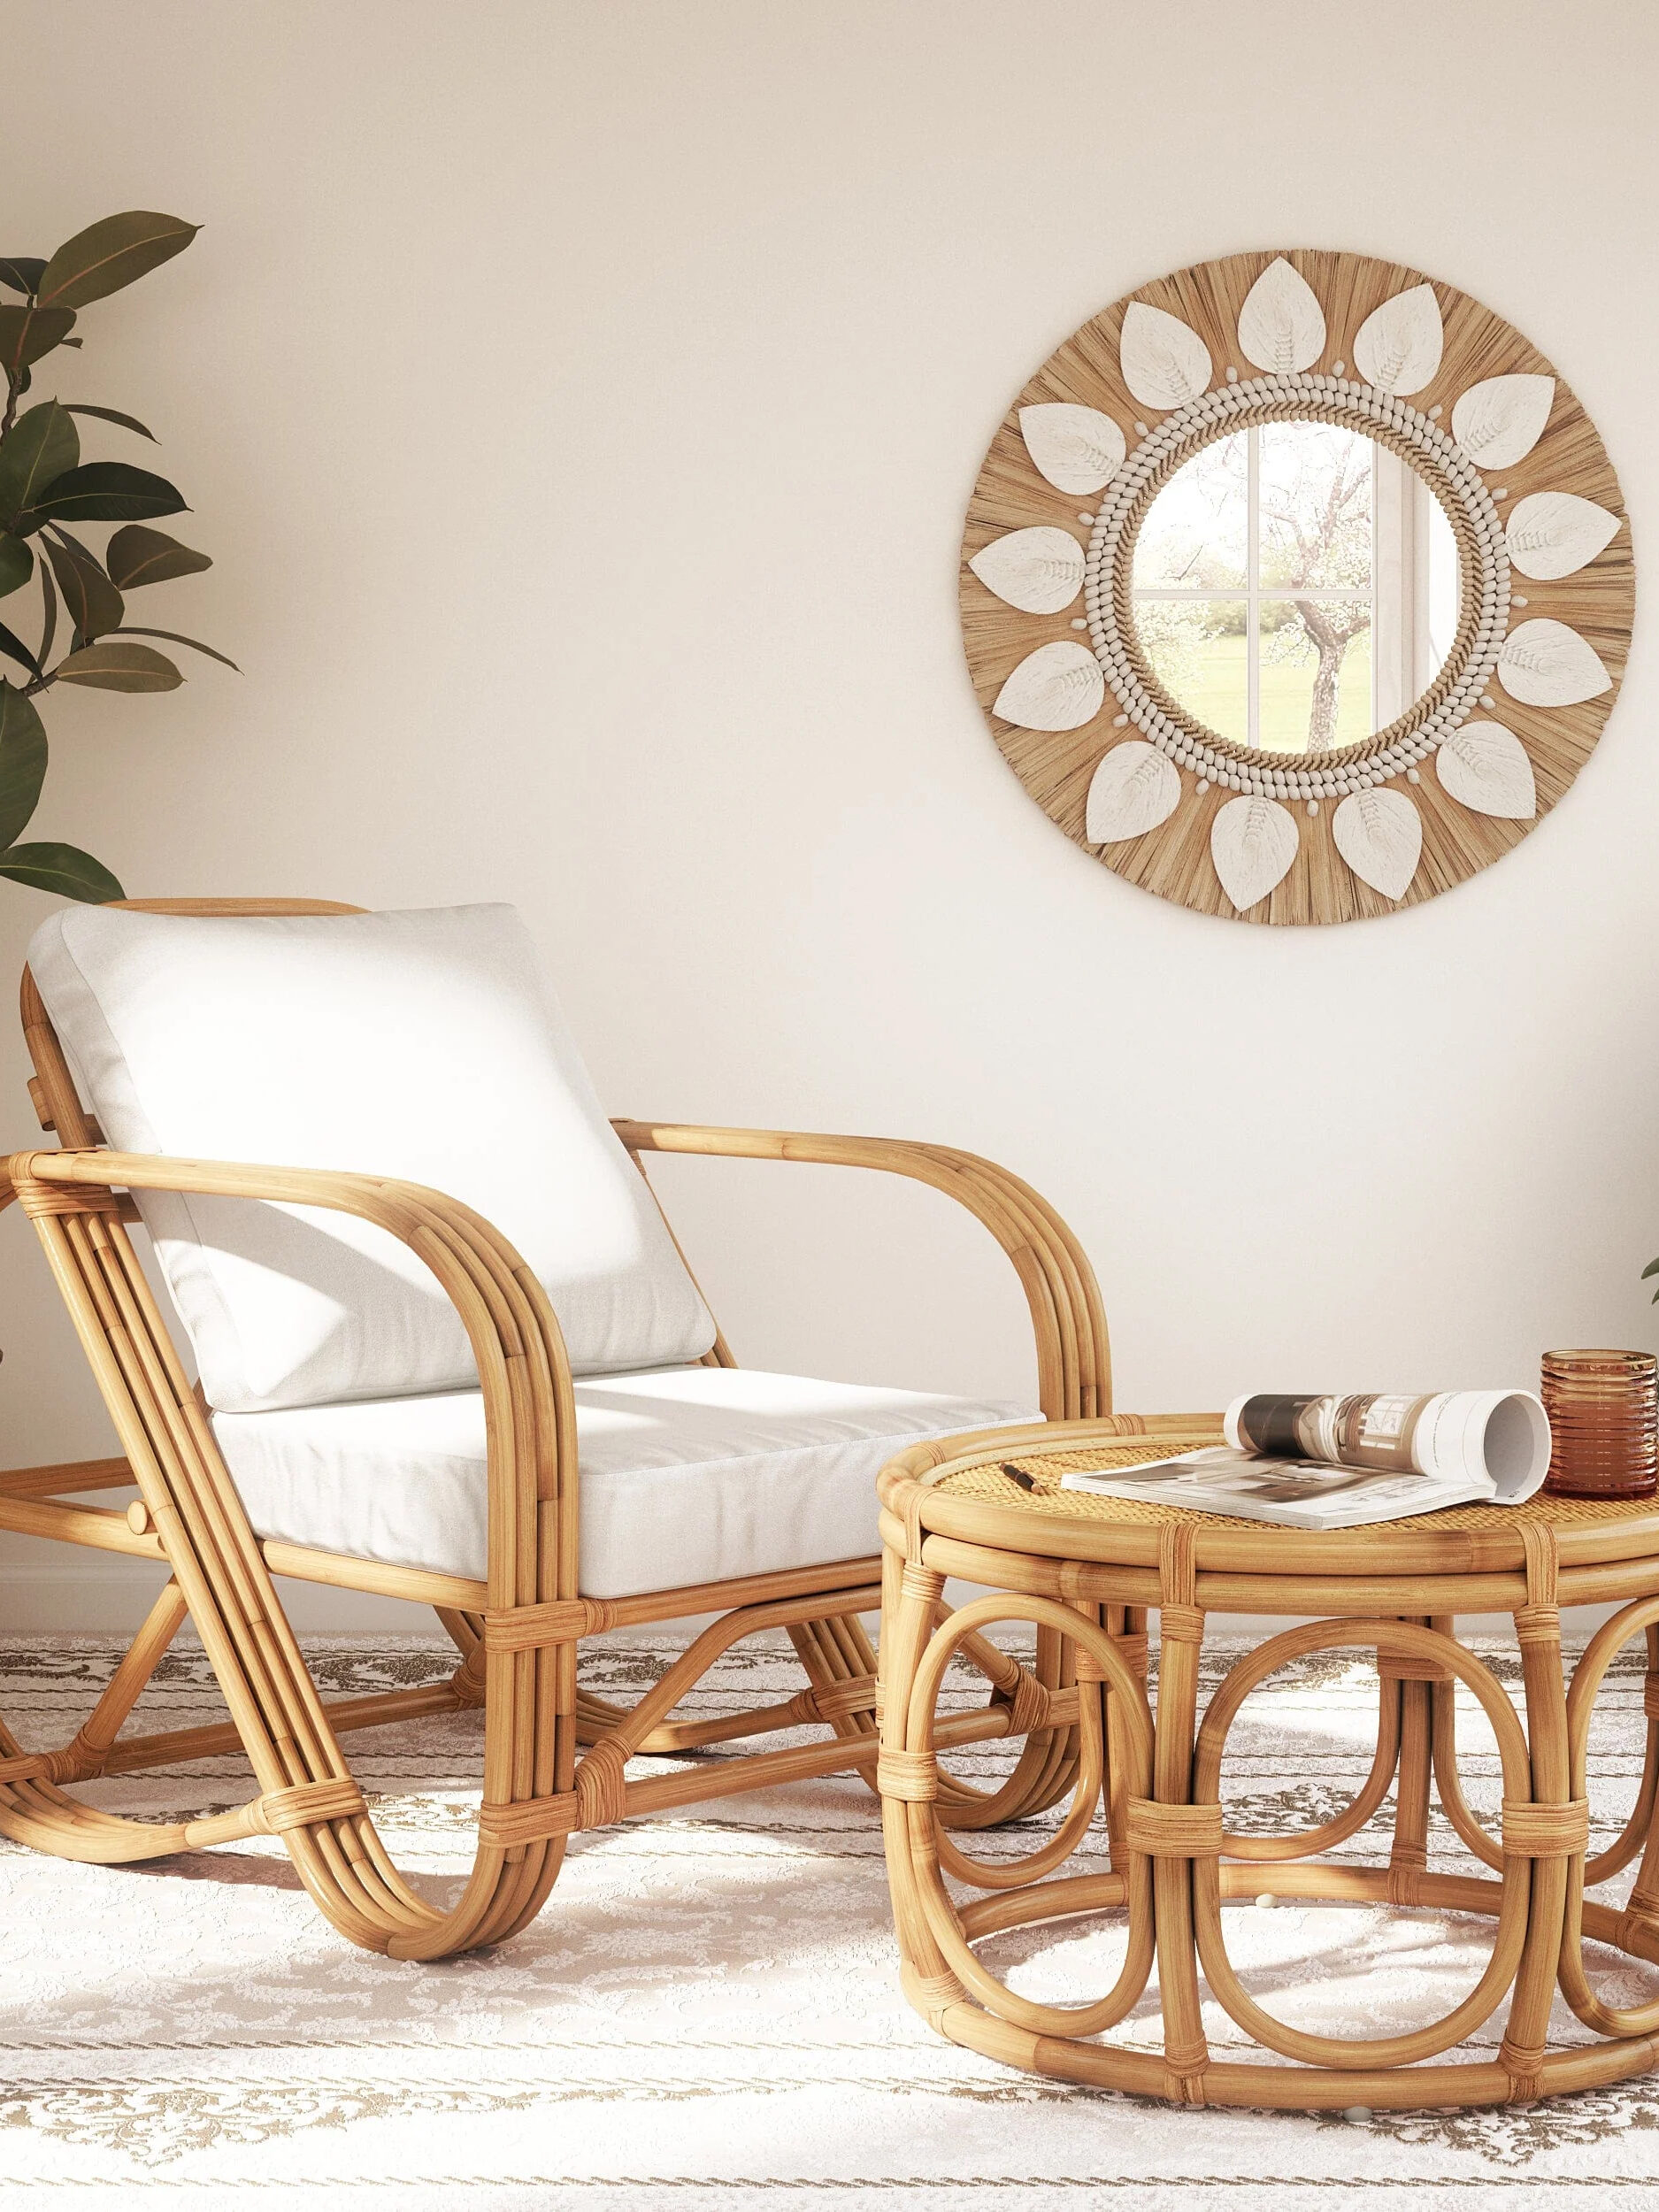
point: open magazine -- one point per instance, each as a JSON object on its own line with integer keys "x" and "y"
{"x": 1341, "y": 1462}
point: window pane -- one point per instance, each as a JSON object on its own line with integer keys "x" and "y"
{"x": 1416, "y": 596}
{"x": 1196, "y": 648}
{"x": 1316, "y": 494}
{"x": 1315, "y": 674}
{"x": 1195, "y": 532}
{"x": 1443, "y": 585}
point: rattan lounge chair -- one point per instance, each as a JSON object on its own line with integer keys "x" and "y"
{"x": 393, "y": 1400}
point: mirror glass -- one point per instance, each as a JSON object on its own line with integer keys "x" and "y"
{"x": 1295, "y": 587}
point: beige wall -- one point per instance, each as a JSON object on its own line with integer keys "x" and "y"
{"x": 581, "y": 402}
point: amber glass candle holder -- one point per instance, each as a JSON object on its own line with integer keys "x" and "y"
{"x": 1603, "y": 1409}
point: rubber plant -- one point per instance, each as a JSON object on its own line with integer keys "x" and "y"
{"x": 48, "y": 496}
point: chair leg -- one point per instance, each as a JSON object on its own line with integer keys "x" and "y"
{"x": 35, "y": 1810}
{"x": 466, "y": 1632}
{"x": 307, "y": 1793}
{"x": 835, "y": 1650}
{"x": 839, "y": 1664}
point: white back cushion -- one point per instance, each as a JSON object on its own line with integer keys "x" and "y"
{"x": 424, "y": 1046}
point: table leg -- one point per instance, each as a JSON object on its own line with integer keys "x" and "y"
{"x": 1639, "y": 1928}
{"x": 1443, "y": 1728}
{"x": 910, "y": 1599}
{"x": 1538, "y": 1628}
{"x": 1408, "y": 1852}
{"x": 1181, "y": 1632}
{"x": 1126, "y": 1626}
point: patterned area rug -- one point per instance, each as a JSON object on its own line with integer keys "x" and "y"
{"x": 706, "y": 2013}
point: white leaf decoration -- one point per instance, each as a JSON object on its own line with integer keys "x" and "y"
{"x": 1550, "y": 534}
{"x": 1281, "y": 324}
{"x": 1252, "y": 841}
{"x": 1544, "y": 664}
{"x": 1134, "y": 789}
{"x": 1485, "y": 767}
{"x": 1498, "y": 422}
{"x": 1077, "y": 449}
{"x": 1059, "y": 686}
{"x": 1397, "y": 348}
{"x": 1379, "y": 834}
{"x": 1040, "y": 571}
{"x": 1165, "y": 363}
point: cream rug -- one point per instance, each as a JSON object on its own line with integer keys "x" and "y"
{"x": 706, "y": 2014}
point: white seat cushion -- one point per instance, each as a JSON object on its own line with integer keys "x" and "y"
{"x": 422, "y": 1046}
{"x": 688, "y": 1474}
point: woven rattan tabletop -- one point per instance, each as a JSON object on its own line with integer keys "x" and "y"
{"x": 972, "y": 1499}
{"x": 1046, "y": 1469}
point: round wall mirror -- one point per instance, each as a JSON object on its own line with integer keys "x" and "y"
{"x": 1296, "y": 586}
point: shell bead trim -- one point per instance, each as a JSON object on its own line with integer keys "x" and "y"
{"x": 1456, "y": 393}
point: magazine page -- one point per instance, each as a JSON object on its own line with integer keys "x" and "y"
{"x": 1499, "y": 1438}
{"x": 1343, "y": 1462}
{"x": 1295, "y": 1492}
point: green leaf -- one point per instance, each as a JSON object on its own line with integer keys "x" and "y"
{"x": 1652, "y": 1268}
{"x": 17, "y": 563}
{"x": 49, "y": 610}
{"x": 40, "y": 445}
{"x": 20, "y": 270}
{"x": 22, "y": 762}
{"x": 25, "y": 333}
{"x": 102, "y": 258}
{"x": 64, "y": 869}
{"x": 110, "y": 414}
{"x": 91, "y": 600}
{"x": 132, "y": 629}
{"x": 13, "y": 646}
{"x": 137, "y": 556}
{"x": 106, "y": 491}
{"x": 109, "y": 667}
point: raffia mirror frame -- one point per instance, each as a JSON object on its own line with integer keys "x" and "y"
{"x": 1546, "y": 575}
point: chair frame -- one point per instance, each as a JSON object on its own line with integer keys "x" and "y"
{"x": 554, "y": 1756}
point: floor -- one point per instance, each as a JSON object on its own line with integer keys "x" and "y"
{"x": 706, "y": 2012}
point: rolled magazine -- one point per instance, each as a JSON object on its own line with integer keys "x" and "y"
{"x": 1325, "y": 1462}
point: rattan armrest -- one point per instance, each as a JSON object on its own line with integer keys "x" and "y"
{"x": 1067, "y": 1320}
{"x": 524, "y": 1372}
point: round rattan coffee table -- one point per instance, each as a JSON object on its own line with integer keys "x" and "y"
{"x": 1087, "y": 1571}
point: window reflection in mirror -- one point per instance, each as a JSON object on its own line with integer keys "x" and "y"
{"x": 1295, "y": 587}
